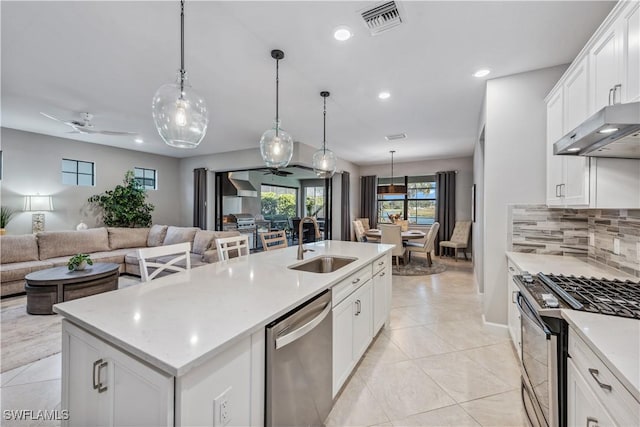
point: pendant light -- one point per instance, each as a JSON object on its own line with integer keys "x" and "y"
{"x": 179, "y": 113}
{"x": 324, "y": 160}
{"x": 276, "y": 145}
{"x": 392, "y": 188}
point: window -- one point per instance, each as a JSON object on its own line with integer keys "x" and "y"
{"x": 146, "y": 178}
{"x": 280, "y": 202}
{"x": 418, "y": 205}
{"x": 314, "y": 201}
{"x": 77, "y": 172}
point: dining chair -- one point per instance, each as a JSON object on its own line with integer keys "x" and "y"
{"x": 459, "y": 239}
{"x": 358, "y": 229}
{"x": 428, "y": 245}
{"x": 367, "y": 226}
{"x": 157, "y": 259}
{"x": 226, "y": 245}
{"x": 273, "y": 240}
{"x": 392, "y": 234}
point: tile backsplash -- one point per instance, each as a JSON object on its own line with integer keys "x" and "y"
{"x": 543, "y": 230}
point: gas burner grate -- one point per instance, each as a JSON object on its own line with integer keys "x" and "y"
{"x": 612, "y": 297}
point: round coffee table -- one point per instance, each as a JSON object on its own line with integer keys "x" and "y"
{"x": 53, "y": 285}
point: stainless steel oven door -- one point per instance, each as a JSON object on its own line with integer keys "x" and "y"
{"x": 539, "y": 363}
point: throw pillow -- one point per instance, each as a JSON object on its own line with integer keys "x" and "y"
{"x": 180, "y": 235}
{"x": 157, "y": 234}
{"x": 204, "y": 241}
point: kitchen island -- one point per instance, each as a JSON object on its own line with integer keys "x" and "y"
{"x": 165, "y": 351}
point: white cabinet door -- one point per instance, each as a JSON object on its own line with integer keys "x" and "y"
{"x": 554, "y": 163}
{"x": 102, "y": 386}
{"x": 575, "y": 190}
{"x": 381, "y": 283}
{"x": 343, "y": 361}
{"x": 583, "y": 407}
{"x": 606, "y": 68}
{"x": 515, "y": 330}
{"x": 362, "y": 320}
{"x": 631, "y": 77}
{"x": 576, "y": 96}
{"x": 86, "y": 406}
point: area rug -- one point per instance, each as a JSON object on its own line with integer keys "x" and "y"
{"x": 418, "y": 267}
{"x": 25, "y": 337}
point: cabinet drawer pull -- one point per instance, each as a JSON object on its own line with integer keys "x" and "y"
{"x": 616, "y": 99}
{"x": 101, "y": 388}
{"x": 93, "y": 374}
{"x": 355, "y": 281}
{"x": 594, "y": 373}
{"x": 511, "y": 269}
{"x": 557, "y": 186}
{"x": 382, "y": 274}
{"x": 610, "y": 96}
{"x": 358, "y": 307}
{"x": 381, "y": 263}
{"x": 592, "y": 420}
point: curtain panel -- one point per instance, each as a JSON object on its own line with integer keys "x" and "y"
{"x": 200, "y": 198}
{"x": 369, "y": 199}
{"x": 345, "y": 217}
{"x": 446, "y": 202}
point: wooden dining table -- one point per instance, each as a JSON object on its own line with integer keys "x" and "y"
{"x": 406, "y": 235}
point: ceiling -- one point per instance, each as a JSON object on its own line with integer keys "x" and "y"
{"x": 109, "y": 58}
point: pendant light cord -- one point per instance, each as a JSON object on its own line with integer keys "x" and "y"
{"x": 324, "y": 127}
{"x": 277, "y": 94}
{"x": 182, "y": 70}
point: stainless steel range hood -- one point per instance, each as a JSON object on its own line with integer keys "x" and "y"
{"x": 237, "y": 184}
{"x": 613, "y": 131}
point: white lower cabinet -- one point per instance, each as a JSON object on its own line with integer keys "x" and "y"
{"x": 514, "y": 321}
{"x": 583, "y": 407}
{"x": 352, "y": 332}
{"x": 102, "y": 386}
{"x": 381, "y": 298}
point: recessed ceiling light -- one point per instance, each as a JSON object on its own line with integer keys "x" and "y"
{"x": 608, "y": 130}
{"x": 342, "y": 33}
{"x": 384, "y": 95}
{"x": 138, "y": 140}
{"x": 481, "y": 73}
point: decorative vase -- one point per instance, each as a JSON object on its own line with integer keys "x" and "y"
{"x": 81, "y": 266}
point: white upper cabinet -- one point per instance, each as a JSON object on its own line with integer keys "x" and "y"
{"x": 607, "y": 71}
{"x": 631, "y": 71}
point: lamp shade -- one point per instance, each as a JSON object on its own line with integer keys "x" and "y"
{"x": 38, "y": 203}
{"x": 392, "y": 189}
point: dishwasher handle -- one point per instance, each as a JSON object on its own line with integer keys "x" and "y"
{"x": 304, "y": 329}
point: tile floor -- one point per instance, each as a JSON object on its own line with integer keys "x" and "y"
{"x": 434, "y": 366}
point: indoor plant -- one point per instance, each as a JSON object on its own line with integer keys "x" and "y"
{"x": 125, "y": 205}
{"x": 5, "y": 217}
{"x": 79, "y": 262}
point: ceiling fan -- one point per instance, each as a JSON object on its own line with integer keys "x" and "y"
{"x": 277, "y": 172}
{"x": 85, "y": 126}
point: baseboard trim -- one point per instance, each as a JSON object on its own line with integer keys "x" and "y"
{"x": 496, "y": 328}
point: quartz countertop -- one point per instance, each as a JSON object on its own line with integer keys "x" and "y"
{"x": 181, "y": 320}
{"x": 615, "y": 340}
{"x": 567, "y": 265}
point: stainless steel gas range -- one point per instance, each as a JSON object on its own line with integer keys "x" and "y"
{"x": 545, "y": 334}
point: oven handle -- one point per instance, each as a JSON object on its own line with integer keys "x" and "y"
{"x": 534, "y": 317}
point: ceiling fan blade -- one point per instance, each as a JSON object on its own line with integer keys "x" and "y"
{"x": 114, "y": 133}
{"x": 53, "y": 118}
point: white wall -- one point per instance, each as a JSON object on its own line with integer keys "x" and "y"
{"x": 478, "y": 226}
{"x": 464, "y": 178}
{"x": 515, "y": 168}
{"x": 248, "y": 159}
{"x": 32, "y": 164}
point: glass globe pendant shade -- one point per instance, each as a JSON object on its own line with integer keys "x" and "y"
{"x": 276, "y": 147}
{"x": 324, "y": 163}
{"x": 180, "y": 114}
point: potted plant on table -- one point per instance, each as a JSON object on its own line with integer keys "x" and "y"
{"x": 5, "y": 217}
{"x": 79, "y": 262}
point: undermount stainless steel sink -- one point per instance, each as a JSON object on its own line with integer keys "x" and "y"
{"x": 323, "y": 264}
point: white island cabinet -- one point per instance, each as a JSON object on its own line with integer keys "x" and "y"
{"x": 186, "y": 348}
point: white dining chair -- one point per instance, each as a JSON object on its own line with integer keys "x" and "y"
{"x": 392, "y": 235}
{"x": 459, "y": 239}
{"x": 156, "y": 259}
{"x": 226, "y": 245}
{"x": 428, "y": 245}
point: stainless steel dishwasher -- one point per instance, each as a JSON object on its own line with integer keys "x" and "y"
{"x": 299, "y": 365}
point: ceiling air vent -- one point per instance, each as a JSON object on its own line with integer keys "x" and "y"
{"x": 395, "y": 137}
{"x": 382, "y": 17}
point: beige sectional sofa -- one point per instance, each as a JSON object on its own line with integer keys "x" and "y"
{"x": 23, "y": 254}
